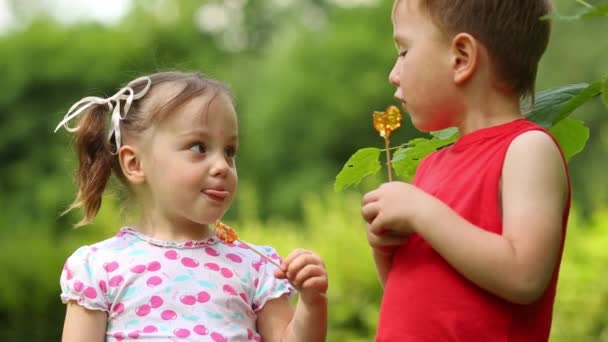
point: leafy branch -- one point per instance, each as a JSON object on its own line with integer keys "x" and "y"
{"x": 551, "y": 111}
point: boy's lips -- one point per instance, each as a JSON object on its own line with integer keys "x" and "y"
{"x": 218, "y": 195}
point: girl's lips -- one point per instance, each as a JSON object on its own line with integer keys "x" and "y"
{"x": 218, "y": 195}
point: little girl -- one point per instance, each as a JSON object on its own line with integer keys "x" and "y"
{"x": 172, "y": 141}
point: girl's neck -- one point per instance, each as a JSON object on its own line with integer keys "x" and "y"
{"x": 165, "y": 230}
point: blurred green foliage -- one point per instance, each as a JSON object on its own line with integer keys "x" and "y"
{"x": 307, "y": 77}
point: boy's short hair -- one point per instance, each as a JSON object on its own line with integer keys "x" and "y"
{"x": 512, "y": 31}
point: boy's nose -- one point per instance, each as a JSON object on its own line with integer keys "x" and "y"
{"x": 393, "y": 76}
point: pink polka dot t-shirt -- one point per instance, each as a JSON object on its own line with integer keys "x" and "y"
{"x": 204, "y": 290}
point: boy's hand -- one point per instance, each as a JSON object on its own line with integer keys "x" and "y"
{"x": 306, "y": 272}
{"x": 391, "y": 211}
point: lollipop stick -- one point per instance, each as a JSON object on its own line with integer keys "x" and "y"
{"x": 388, "y": 159}
{"x": 260, "y": 254}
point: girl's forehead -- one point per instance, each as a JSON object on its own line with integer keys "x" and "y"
{"x": 211, "y": 109}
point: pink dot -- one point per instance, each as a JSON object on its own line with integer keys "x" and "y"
{"x": 78, "y": 286}
{"x": 150, "y": 329}
{"x": 168, "y": 315}
{"x": 171, "y": 255}
{"x": 143, "y": 310}
{"x": 181, "y": 333}
{"x": 203, "y": 297}
{"x": 217, "y": 337}
{"x": 189, "y": 262}
{"x": 119, "y": 336}
{"x": 226, "y": 272}
{"x": 212, "y": 266}
{"x": 134, "y": 334}
{"x": 111, "y": 266}
{"x": 103, "y": 286}
{"x": 156, "y": 301}
{"x": 211, "y": 251}
{"x": 234, "y": 257}
{"x": 90, "y": 292}
{"x": 200, "y": 329}
{"x": 242, "y": 295}
{"x": 229, "y": 290}
{"x": 118, "y": 308}
{"x": 256, "y": 265}
{"x": 188, "y": 300}
{"x": 138, "y": 269}
{"x": 249, "y": 334}
{"x": 154, "y": 281}
{"x": 154, "y": 266}
{"x": 256, "y": 282}
{"x": 69, "y": 274}
{"x": 116, "y": 281}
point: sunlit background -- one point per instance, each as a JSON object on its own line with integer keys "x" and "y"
{"x": 307, "y": 75}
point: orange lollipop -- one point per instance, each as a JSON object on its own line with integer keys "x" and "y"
{"x": 385, "y": 123}
{"x": 227, "y": 234}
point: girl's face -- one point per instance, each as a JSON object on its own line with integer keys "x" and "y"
{"x": 189, "y": 163}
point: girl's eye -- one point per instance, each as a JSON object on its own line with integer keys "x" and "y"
{"x": 198, "y": 148}
{"x": 230, "y": 152}
{"x": 403, "y": 53}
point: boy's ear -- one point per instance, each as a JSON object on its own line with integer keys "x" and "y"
{"x": 130, "y": 163}
{"x": 465, "y": 53}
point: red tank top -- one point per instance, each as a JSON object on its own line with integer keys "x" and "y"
{"x": 425, "y": 299}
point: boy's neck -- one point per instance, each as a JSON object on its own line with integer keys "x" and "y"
{"x": 488, "y": 107}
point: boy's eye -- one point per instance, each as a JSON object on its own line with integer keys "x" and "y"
{"x": 230, "y": 152}
{"x": 402, "y": 53}
{"x": 198, "y": 148}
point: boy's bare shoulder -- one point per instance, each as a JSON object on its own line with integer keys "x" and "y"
{"x": 535, "y": 143}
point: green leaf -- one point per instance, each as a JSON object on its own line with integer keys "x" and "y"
{"x": 406, "y": 159}
{"x": 605, "y": 92}
{"x": 365, "y": 162}
{"x": 587, "y": 12}
{"x": 555, "y": 104}
{"x": 572, "y": 136}
{"x": 445, "y": 133}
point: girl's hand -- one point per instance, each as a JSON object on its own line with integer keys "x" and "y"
{"x": 306, "y": 272}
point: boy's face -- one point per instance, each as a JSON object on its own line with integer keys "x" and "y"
{"x": 422, "y": 73}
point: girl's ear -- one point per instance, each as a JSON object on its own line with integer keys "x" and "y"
{"x": 130, "y": 163}
{"x": 465, "y": 54}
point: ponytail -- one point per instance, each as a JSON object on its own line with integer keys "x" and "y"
{"x": 95, "y": 162}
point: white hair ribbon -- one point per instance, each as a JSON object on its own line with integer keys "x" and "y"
{"x": 124, "y": 94}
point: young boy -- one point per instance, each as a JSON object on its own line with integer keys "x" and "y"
{"x": 471, "y": 250}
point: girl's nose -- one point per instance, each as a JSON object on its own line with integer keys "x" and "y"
{"x": 220, "y": 166}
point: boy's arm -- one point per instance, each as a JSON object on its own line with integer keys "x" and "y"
{"x": 518, "y": 264}
{"x": 383, "y": 265}
{"x": 83, "y": 325}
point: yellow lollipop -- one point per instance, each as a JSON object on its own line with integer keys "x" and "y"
{"x": 385, "y": 123}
